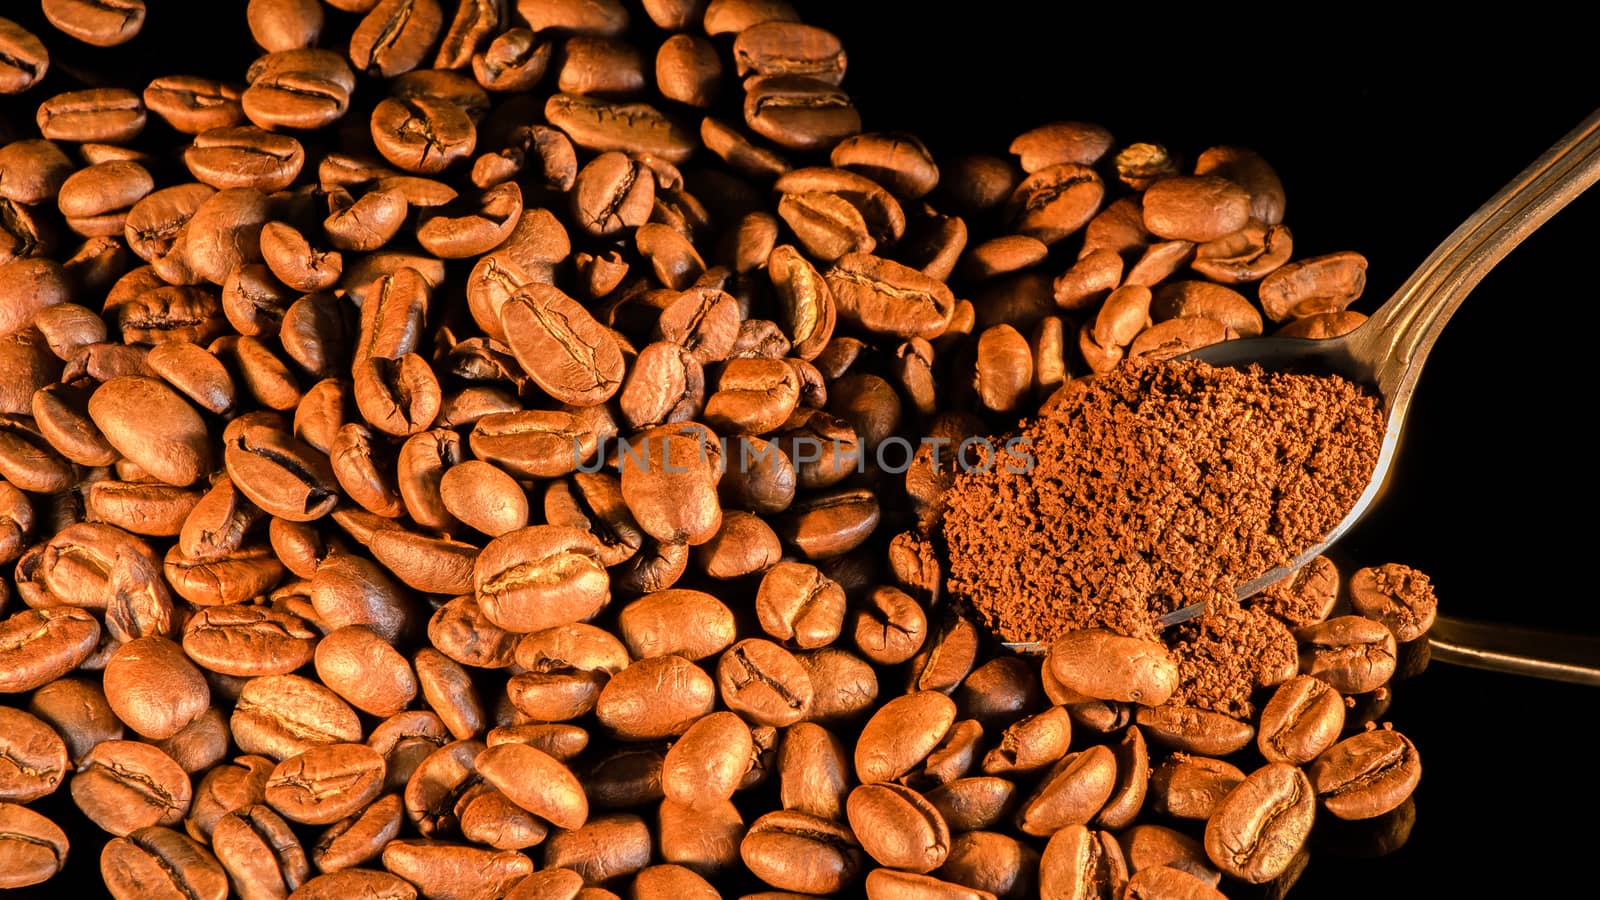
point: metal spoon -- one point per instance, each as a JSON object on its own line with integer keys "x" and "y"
{"x": 1387, "y": 353}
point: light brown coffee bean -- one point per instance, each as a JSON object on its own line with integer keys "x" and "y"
{"x": 691, "y": 624}
{"x": 799, "y": 112}
{"x": 280, "y": 716}
{"x": 561, "y": 347}
{"x": 1078, "y": 862}
{"x": 885, "y": 297}
{"x": 25, "y": 59}
{"x": 38, "y": 646}
{"x": 160, "y": 862}
{"x": 33, "y": 757}
{"x": 261, "y": 854}
{"x": 103, "y": 115}
{"x": 656, "y": 698}
{"x": 1190, "y": 787}
{"x": 765, "y": 683}
{"x": 33, "y": 849}
{"x": 1193, "y": 730}
{"x": 152, "y": 686}
{"x": 357, "y": 883}
{"x": 540, "y": 576}
{"x": 1139, "y": 671}
{"x": 797, "y": 852}
{"x": 300, "y": 88}
{"x": 326, "y": 783}
{"x": 898, "y": 827}
{"x": 536, "y": 782}
{"x": 1303, "y": 718}
{"x": 901, "y": 734}
{"x": 626, "y": 127}
{"x": 1258, "y": 828}
{"x": 1249, "y": 254}
{"x": 123, "y": 786}
{"x": 1195, "y": 208}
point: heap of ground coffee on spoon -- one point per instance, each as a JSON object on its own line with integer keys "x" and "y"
{"x": 1152, "y": 487}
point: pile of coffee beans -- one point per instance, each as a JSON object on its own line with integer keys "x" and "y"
{"x": 487, "y": 448}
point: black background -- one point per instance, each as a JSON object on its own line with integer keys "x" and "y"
{"x": 1386, "y": 134}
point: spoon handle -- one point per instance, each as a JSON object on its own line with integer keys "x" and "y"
{"x": 1516, "y": 650}
{"x": 1403, "y": 330}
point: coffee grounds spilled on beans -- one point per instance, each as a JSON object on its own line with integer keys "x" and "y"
{"x": 1153, "y": 487}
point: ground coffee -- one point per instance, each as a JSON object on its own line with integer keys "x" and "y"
{"x": 1152, "y": 487}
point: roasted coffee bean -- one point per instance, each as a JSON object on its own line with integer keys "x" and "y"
{"x": 280, "y": 716}
{"x": 1258, "y": 828}
{"x": 1367, "y": 775}
{"x": 38, "y": 646}
{"x": 765, "y": 683}
{"x": 1195, "y": 208}
{"x": 299, "y": 88}
{"x": 123, "y": 786}
{"x": 1308, "y": 287}
{"x": 898, "y": 827}
{"x": 884, "y": 297}
{"x": 655, "y": 698}
{"x": 1398, "y": 596}
{"x": 627, "y": 127}
{"x": 103, "y": 115}
{"x": 799, "y": 112}
{"x": 24, "y": 57}
{"x": 901, "y": 734}
{"x": 326, "y": 783}
{"x": 708, "y": 761}
{"x": 261, "y": 854}
{"x": 357, "y": 882}
{"x": 33, "y": 757}
{"x": 796, "y": 852}
{"x": 535, "y": 782}
{"x": 562, "y": 348}
{"x": 540, "y": 576}
{"x": 1303, "y": 718}
{"x": 676, "y": 622}
{"x": 1143, "y": 671}
{"x": 1353, "y": 654}
{"x": 33, "y": 849}
{"x": 1190, "y": 787}
{"x": 154, "y": 688}
{"x": 1073, "y": 792}
{"x": 1168, "y": 881}
{"x": 160, "y": 862}
{"x": 1193, "y": 730}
